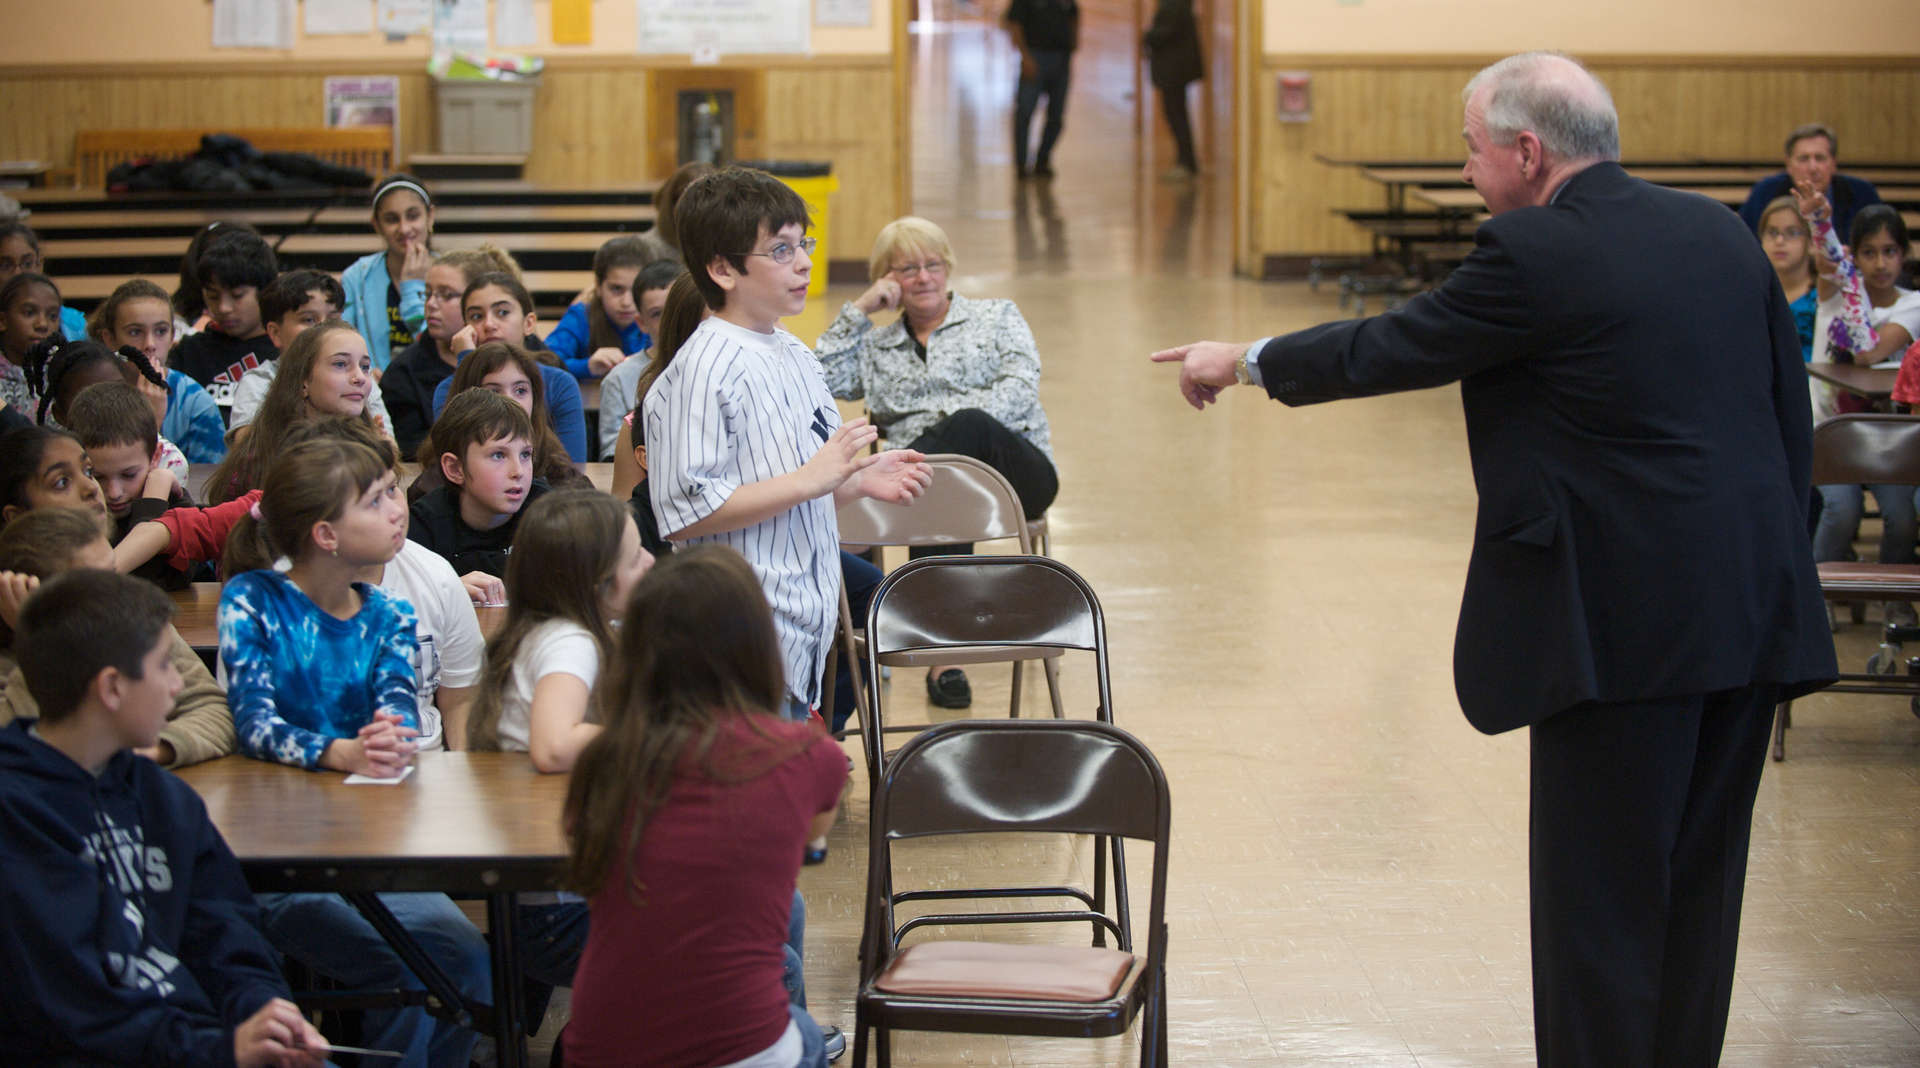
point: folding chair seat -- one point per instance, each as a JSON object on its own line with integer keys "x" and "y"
{"x": 1069, "y": 777}
{"x": 1868, "y": 448}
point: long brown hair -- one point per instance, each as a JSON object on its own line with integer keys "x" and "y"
{"x": 245, "y": 467}
{"x": 696, "y": 648}
{"x": 564, "y": 554}
{"x": 679, "y": 318}
{"x": 550, "y": 460}
{"x": 311, "y": 482}
{"x": 618, "y": 252}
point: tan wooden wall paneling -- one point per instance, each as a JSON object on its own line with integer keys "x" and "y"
{"x": 846, "y": 116}
{"x": 1716, "y": 109}
{"x": 590, "y": 128}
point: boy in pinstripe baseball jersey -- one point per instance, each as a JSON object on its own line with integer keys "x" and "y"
{"x": 744, "y": 444}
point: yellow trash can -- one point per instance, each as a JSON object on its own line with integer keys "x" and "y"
{"x": 814, "y": 181}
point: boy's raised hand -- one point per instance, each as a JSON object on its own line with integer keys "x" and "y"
{"x": 843, "y": 456}
{"x": 896, "y": 476}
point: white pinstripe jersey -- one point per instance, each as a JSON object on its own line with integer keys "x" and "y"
{"x": 736, "y": 407}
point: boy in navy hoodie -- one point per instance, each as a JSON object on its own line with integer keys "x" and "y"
{"x": 130, "y": 935}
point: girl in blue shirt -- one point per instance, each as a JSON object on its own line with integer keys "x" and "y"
{"x": 387, "y": 290}
{"x": 597, "y": 334}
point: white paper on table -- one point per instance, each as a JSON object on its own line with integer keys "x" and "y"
{"x": 363, "y": 780}
{"x": 513, "y": 24}
{"x": 339, "y": 17}
{"x": 398, "y": 18}
{"x": 253, "y": 23}
{"x": 460, "y": 26}
{"x": 842, "y": 12}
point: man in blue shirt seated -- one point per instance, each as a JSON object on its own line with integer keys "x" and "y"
{"x": 1813, "y": 154}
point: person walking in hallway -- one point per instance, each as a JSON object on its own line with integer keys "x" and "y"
{"x": 1046, "y": 32}
{"x": 1641, "y": 591}
{"x": 1172, "y": 43}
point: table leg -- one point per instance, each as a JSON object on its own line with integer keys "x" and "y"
{"x": 443, "y": 990}
{"x": 509, "y": 1000}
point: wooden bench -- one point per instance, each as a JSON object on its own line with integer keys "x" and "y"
{"x": 542, "y": 218}
{"x": 96, "y": 152}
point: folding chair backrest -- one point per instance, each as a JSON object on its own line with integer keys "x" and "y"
{"x": 1867, "y": 448}
{"x": 967, "y": 501}
{"x": 1065, "y": 776}
{"x": 984, "y": 601}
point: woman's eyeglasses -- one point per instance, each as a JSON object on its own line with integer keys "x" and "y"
{"x": 908, "y": 270}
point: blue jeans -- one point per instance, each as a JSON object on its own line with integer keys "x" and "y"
{"x": 551, "y": 938}
{"x": 1055, "y": 70}
{"x": 1840, "y": 512}
{"x": 330, "y": 936}
{"x": 813, "y": 1044}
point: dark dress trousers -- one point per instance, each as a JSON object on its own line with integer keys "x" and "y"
{"x": 1641, "y": 588}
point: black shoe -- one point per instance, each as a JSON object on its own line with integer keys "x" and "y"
{"x": 950, "y": 690}
{"x": 1043, "y": 170}
{"x": 1020, "y": 172}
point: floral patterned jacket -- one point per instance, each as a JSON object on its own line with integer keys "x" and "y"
{"x": 981, "y": 356}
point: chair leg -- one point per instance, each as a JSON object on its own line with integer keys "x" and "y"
{"x": 1783, "y": 717}
{"x": 883, "y": 1046}
{"x": 1052, "y": 668}
{"x": 859, "y": 1038}
{"x": 1013, "y": 710}
{"x": 1099, "y": 887}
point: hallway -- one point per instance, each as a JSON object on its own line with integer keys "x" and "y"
{"x": 1349, "y": 867}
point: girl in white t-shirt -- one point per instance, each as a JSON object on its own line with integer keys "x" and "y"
{"x": 575, "y": 560}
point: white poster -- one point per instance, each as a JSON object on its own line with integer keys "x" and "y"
{"x": 460, "y": 26}
{"x": 513, "y": 24}
{"x": 842, "y": 13}
{"x": 339, "y": 17}
{"x": 723, "y": 27}
{"x": 401, "y": 18}
{"x": 253, "y": 23}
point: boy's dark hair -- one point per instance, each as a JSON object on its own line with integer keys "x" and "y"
{"x": 111, "y": 413}
{"x": 188, "y": 302}
{"x": 656, "y": 275}
{"x": 1874, "y": 218}
{"x": 723, "y": 214}
{"x": 236, "y": 258}
{"x": 292, "y": 289}
{"x": 476, "y": 417}
{"x": 78, "y": 625}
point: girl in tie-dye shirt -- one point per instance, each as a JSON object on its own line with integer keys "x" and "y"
{"x": 319, "y": 666}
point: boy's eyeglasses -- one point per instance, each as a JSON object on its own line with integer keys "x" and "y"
{"x": 908, "y": 270}
{"x": 783, "y": 252}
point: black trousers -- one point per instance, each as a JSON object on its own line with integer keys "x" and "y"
{"x": 1641, "y": 814}
{"x": 972, "y": 432}
{"x": 1173, "y": 104}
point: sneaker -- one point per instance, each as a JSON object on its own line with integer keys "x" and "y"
{"x": 814, "y": 853}
{"x": 950, "y": 690}
{"x": 834, "y": 1041}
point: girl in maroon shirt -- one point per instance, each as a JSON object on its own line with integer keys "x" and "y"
{"x": 686, "y": 819}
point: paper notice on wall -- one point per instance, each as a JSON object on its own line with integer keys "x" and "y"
{"x": 729, "y": 27}
{"x": 339, "y": 17}
{"x": 460, "y": 26}
{"x": 253, "y": 23}
{"x": 401, "y": 18}
{"x": 572, "y": 22}
{"x": 513, "y": 24}
{"x": 842, "y": 12}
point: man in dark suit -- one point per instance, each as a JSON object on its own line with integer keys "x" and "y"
{"x": 1641, "y": 590}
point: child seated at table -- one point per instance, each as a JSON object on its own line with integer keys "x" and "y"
{"x": 652, "y": 289}
{"x": 232, "y": 267}
{"x": 324, "y": 372}
{"x": 137, "y": 316}
{"x": 597, "y": 334}
{"x": 512, "y": 372}
{"x": 41, "y": 467}
{"x": 685, "y": 820}
{"x": 289, "y": 306}
{"x": 51, "y": 541}
{"x": 574, "y": 563}
{"x": 482, "y": 449}
{"x": 131, "y": 938}
{"x": 115, "y": 425}
{"x": 320, "y": 676}
{"x": 408, "y": 384}
{"x": 498, "y": 307}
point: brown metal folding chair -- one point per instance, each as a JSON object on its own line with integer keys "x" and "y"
{"x": 1867, "y": 448}
{"x": 1034, "y": 776}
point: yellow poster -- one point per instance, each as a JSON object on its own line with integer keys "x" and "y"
{"x": 572, "y": 22}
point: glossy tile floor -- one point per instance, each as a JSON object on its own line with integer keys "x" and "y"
{"x": 1349, "y": 857}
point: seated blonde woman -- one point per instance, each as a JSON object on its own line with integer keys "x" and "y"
{"x": 948, "y": 374}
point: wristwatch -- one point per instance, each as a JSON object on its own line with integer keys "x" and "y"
{"x": 1240, "y": 373}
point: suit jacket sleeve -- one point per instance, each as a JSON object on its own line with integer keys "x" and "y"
{"x": 1792, "y": 407}
{"x": 1477, "y": 319}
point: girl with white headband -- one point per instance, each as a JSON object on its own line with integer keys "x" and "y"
{"x": 387, "y": 290}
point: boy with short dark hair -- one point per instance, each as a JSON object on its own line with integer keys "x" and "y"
{"x": 131, "y": 937}
{"x": 116, "y": 427}
{"x": 289, "y": 305}
{"x": 744, "y": 444}
{"x": 483, "y": 446}
{"x": 232, "y": 270}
